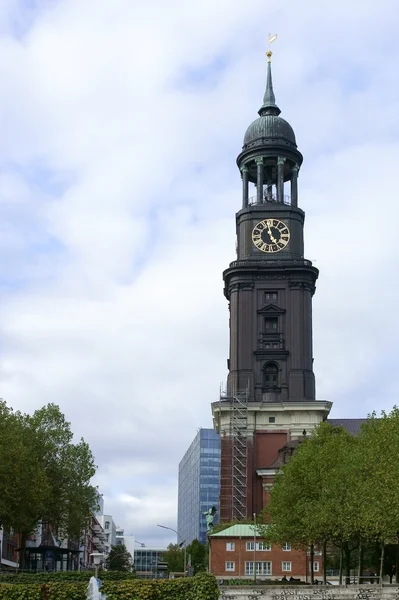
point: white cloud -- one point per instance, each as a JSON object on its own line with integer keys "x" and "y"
{"x": 120, "y": 127}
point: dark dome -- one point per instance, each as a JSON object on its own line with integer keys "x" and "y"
{"x": 267, "y": 129}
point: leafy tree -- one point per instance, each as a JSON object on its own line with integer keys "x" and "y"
{"x": 69, "y": 468}
{"x": 309, "y": 499}
{"x": 198, "y": 553}
{"x": 380, "y": 499}
{"x": 44, "y": 476}
{"x": 343, "y": 490}
{"x": 174, "y": 557}
{"x": 23, "y": 480}
{"x": 119, "y": 559}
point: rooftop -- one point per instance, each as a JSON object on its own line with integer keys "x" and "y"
{"x": 352, "y": 426}
{"x": 238, "y": 530}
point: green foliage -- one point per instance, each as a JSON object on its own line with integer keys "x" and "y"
{"x": 308, "y": 501}
{"x": 199, "y": 556}
{"x": 43, "y": 474}
{"x": 342, "y": 489}
{"x": 201, "y": 587}
{"x": 20, "y": 592}
{"x": 119, "y": 559}
{"x": 69, "y": 468}
{"x": 174, "y": 557}
{"x": 23, "y": 481}
{"x": 60, "y": 576}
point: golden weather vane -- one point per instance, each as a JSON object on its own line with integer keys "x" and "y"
{"x": 271, "y": 38}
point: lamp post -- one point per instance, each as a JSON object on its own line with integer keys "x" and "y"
{"x": 183, "y": 543}
{"x": 98, "y": 558}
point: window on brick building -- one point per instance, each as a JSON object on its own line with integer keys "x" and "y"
{"x": 286, "y": 547}
{"x": 286, "y": 565}
{"x": 230, "y": 566}
{"x": 262, "y": 568}
{"x": 230, "y": 546}
{"x": 315, "y": 566}
{"x": 259, "y": 546}
{"x": 263, "y": 546}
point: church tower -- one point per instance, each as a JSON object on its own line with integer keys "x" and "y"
{"x": 270, "y": 399}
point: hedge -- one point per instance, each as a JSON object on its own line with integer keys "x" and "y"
{"x": 45, "y": 576}
{"x": 200, "y": 587}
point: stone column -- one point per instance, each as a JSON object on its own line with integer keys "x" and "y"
{"x": 294, "y": 185}
{"x": 259, "y": 180}
{"x": 244, "y": 175}
{"x": 280, "y": 179}
{"x": 269, "y": 182}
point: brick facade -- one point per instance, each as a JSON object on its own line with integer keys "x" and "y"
{"x": 232, "y": 556}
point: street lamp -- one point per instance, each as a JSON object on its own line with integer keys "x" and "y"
{"x": 183, "y": 543}
{"x": 98, "y": 558}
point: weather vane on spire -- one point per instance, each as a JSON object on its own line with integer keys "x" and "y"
{"x": 271, "y": 38}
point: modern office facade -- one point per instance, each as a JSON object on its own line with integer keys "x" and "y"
{"x": 147, "y": 562}
{"x": 199, "y": 484}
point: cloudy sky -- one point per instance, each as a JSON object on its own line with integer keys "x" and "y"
{"x": 120, "y": 123}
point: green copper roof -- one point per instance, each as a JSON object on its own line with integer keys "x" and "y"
{"x": 239, "y": 530}
{"x": 269, "y": 106}
{"x": 269, "y": 129}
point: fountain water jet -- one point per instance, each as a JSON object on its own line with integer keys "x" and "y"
{"x": 93, "y": 592}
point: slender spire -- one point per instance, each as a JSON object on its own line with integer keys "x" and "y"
{"x": 269, "y": 106}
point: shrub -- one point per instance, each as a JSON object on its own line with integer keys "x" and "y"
{"x": 200, "y": 587}
{"x": 72, "y": 576}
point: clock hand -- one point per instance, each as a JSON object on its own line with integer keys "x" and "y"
{"x": 273, "y": 239}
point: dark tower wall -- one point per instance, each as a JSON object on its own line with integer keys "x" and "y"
{"x": 270, "y": 397}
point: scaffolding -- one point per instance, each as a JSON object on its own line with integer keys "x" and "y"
{"x": 235, "y": 478}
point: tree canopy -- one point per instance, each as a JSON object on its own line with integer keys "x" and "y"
{"x": 174, "y": 558}
{"x": 44, "y": 475}
{"x": 119, "y": 559}
{"x": 339, "y": 488}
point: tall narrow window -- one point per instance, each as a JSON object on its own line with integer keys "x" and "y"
{"x": 270, "y": 376}
{"x": 271, "y": 324}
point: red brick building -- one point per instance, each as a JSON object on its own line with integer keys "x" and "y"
{"x": 234, "y": 551}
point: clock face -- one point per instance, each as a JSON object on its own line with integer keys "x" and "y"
{"x": 270, "y": 235}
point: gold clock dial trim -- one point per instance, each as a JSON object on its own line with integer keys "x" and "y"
{"x": 270, "y": 235}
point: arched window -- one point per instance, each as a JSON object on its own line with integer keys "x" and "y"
{"x": 270, "y": 376}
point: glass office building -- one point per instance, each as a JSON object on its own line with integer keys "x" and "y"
{"x": 146, "y": 562}
{"x": 199, "y": 484}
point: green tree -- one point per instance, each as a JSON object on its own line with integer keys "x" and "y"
{"x": 174, "y": 557}
{"x": 69, "y": 469}
{"x": 44, "y": 476}
{"x": 379, "y": 445}
{"x": 309, "y": 501}
{"x": 23, "y": 480}
{"x": 119, "y": 559}
{"x": 198, "y": 554}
